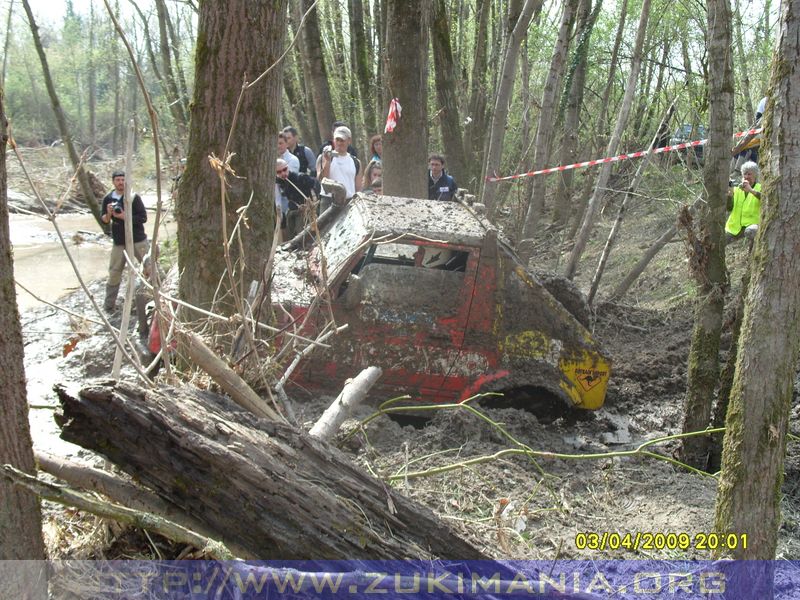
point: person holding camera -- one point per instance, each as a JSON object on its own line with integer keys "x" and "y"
{"x": 744, "y": 203}
{"x": 338, "y": 164}
{"x": 115, "y": 211}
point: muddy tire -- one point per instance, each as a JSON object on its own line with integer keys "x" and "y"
{"x": 568, "y": 294}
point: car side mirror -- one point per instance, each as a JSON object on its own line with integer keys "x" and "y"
{"x": 354, "y": 292}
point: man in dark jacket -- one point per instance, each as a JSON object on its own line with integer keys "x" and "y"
{"x": 296, "y": 188}
{"x": 116, "y": 210}
{"x": 440, "y": 185}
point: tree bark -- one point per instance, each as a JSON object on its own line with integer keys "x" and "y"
{"x": 83, "y": 177}
{"x": 20, "y": 516}
{"x": 571, "y": 106}
{"x": 708, "y": 253}
{"x": 743, "y": 66}
{"x": 500, "y": 116}
{"x": 314, "y": 137}
{"x": 611, "y": 150}
{"x": 237, "y": 39}
{"x": 755, "y": 441}
{"x": 547, "y": 125}
{"x": 362, "y": 70}
{"x": 405, "y": 151}
{"x": 475, "y": 130}
{"x": 174, "y": 99}
{"x": 612, "y": 72}
{"x": 275, "y": 491}
{"x": 446, "y": 83}
{"x": 314, "y": 61}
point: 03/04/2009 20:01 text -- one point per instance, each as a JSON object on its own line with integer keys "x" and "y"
{"x": 606, "y": 540}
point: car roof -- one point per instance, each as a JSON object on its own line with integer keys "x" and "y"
{"x": 447, "y": 221}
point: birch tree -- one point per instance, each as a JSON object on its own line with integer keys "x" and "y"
{"x": 605, "y": 170}
{"x": 497, "y": 130}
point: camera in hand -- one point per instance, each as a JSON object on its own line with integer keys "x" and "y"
{"x": 117, "y": 207}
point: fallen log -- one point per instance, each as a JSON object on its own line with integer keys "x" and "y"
{"x": 263, "y": 486}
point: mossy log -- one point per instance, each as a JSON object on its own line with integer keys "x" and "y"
{"x": 260, "y": 485}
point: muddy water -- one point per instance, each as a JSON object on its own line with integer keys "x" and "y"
{"x": 40, "y": 263}
{"x": 42, "y": 266}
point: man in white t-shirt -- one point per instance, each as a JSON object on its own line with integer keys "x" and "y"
{"x": 337, "y": 164}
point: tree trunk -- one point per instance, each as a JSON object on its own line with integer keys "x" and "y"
{"x": 475, "y": 130}
{"x": 92, "y": 74}
{"x": 405, "y": 151}
{"x": 446, "y": 83}
{"x": 174, "y": 99}
{"x": 708, "y": 253}
{"x": 613, "y": 145}
{"x": 640, "y": 266}
{"x": 365, "y": 85}
{"x": 547, "y": 125}
{"x": 314, "y": 62}
{"x": 314, "y": 137}
{"x": 500, "y": 115}
{"x": 571, "y": 106}
{"x": 20, "y": 517}
{"x": 612, "y": 73}
{"x": 295, "y": 97}
{"x": 743, "y": 66}
{"x": 83, "y": 178}
{"x": 7, "y": 43}
{"x": 726, "y": 377}
{"x": 637, "y": 179}
{"x": 755, "y": 441}
{"x": 271, "y": 489}
{"x": 236, "y": 39}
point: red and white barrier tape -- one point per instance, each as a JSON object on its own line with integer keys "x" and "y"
{"x": 620, "y": 157}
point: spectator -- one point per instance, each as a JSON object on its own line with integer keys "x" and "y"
{"x": 744, "y": 202}
{"x": 297, "y": 188}
{"x": 283, "y": 152}
{"x": 440, "y": 185}
{"x": 762, "y": 106}
{"x": 376, "y": 187}
{"x": 373, "y": 171}
{"x": 303, "y": 153}
{"x": 376, "y": 147}
{"x": 338, "y": 164}
{"x": 115, "y": 211}
{"x": 350, "y": 149}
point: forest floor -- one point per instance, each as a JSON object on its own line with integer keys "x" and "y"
{"x": 516, "y": 506}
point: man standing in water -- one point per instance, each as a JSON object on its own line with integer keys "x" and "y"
{"x": 115, "y": 210}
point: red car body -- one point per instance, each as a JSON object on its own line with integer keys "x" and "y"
{"x": 433, "y": 297}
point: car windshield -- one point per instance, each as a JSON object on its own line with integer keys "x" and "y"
{"x": 339, "y": 243}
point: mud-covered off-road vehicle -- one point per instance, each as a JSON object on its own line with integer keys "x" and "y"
{"x": 434, "y": 298}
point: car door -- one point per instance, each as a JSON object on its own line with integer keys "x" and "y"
{"x": 406, "y": 306}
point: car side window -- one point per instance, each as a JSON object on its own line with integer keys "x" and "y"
{"x": 410, "y": 278}
{"x": 410, "y": 290}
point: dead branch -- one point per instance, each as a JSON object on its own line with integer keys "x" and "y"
{"x": 351, "y": 396}
{"x": 228, "y": 380}
{"x": 68, "y": 497}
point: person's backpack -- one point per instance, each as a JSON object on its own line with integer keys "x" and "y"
{"x": 300, "y": 153}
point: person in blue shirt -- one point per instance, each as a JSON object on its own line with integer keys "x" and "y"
{"x": 441, "y": 186}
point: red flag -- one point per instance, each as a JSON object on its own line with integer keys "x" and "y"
{"x": 395, "y": 111}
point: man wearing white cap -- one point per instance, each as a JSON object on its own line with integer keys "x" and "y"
{"x": 337, "y": 164}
